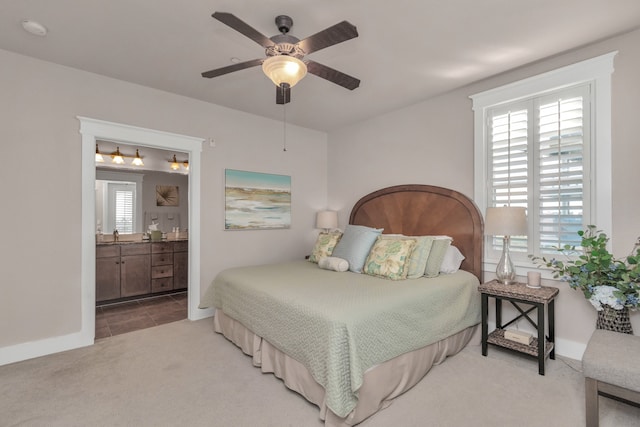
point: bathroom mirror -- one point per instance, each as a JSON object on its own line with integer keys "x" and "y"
{"x": 127, "y": 201}
{"x": 118, "y": 202}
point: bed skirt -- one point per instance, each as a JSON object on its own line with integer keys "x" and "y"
{"x": 381, "y": 385}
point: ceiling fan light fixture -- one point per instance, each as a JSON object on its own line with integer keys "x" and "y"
{"x": 284, "y": 69}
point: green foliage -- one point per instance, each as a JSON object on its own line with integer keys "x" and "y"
{"x": 594, "y": 267}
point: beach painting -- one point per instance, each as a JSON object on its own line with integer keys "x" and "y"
{"x": 256, "y": 201}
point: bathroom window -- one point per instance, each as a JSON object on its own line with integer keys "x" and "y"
{"x": 122, "y": 213}
{"x": 118, "y": 202}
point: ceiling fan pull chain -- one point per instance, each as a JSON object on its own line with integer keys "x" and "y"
{"x": 284, "y": 125}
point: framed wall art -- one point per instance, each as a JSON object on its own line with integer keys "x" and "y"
{"x": 167, "y": 195}
{"x": 255, "y": 201}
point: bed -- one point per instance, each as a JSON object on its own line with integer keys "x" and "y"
{"x": 350, "y": 343}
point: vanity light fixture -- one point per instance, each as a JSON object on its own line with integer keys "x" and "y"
{"x": 99, "y": 158}
{"x": 137, "y": 160}
{"x": 174, "y": 164}
{"x": 116, "y": 157}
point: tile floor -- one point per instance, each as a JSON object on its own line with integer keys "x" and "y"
{"x": 130, "y": 316}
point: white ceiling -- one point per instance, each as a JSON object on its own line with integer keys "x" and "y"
{"x": 406, "y": 52}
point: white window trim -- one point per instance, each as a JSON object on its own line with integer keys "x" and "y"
{"x": 596, "y": 71}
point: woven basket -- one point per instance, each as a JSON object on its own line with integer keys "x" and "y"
{"x": 611, "y": 319}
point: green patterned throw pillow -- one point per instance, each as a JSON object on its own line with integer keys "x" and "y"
{"x": 417, "y": 263}
{"x": 388, "y": 258}
{"x": 436, "y": 256}
{"x": 325, "y": 243}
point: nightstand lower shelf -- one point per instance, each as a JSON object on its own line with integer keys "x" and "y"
{"x": 497, "y": 338}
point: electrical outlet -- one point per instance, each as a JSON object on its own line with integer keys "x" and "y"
{"x": 212, "y": 143}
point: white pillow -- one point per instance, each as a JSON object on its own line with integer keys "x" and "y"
{"x": 452, "y": 260}
{"x": 333, "y": 263}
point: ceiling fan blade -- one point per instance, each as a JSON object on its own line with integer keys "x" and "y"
{"x": 332, "y": 75}
{"x": 243, "y": 28}
{"x": 231, "y": 68}
{"x": 283, "y": 94}
{"x": 338, "y": 33}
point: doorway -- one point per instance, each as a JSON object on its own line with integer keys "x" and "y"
{"x": 140, "y": 282}
{"x": 93, "y": 130}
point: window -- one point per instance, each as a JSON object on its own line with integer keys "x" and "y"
{"x": 123, "y": 212}
{"x": 537, "y": 152}
{"x": 535, "y": 147}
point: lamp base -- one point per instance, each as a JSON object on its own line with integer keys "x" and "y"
{"x": 505, "y": 271}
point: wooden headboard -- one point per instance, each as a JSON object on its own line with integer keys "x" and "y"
{"x": 419, "y": 210}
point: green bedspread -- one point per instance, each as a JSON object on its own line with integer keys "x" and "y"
{"x": 338, "y": 325}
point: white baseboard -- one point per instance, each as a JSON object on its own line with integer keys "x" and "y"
{"x": 570, "y": 349}
{"x": 202, "y": 313}
{"x": 32, "y": 349}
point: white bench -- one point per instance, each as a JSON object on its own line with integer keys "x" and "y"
{"x": 611, "y": 369}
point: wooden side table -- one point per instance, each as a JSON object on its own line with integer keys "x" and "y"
{"x": 519, "y": 293}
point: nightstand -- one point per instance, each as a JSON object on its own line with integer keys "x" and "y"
{"x": 519, "y": 293}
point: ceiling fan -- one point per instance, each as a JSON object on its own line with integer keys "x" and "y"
{"x": 284, "y": 63}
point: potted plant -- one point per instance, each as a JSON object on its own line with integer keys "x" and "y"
{"x": 611, "y": 285}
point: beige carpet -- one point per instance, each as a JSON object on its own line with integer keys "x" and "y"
{"x": 184, "y": 374}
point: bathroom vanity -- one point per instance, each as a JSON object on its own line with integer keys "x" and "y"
{"x": 137, "y": 269}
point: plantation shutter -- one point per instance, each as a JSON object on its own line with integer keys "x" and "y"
{"x": 122, "y": 207}
{"x": 538, "y": 159}
{"x": 509, "y": 164}
{"x": 124, "y": 211}
{"x": 561, "y": 157}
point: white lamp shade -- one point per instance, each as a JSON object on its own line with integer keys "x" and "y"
{"x": 506, "y": 221}
{"x": 137, "y": 160}
{"x": 284, "y": 69}
{"x": 327, "y": 220}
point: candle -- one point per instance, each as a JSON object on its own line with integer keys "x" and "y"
{"x": 533, "y": 279}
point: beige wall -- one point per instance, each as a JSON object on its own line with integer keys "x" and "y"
{"x": 41, "y": 208}
{"x": 432, "y": 143}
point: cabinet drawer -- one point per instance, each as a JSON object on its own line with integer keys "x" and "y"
{"x": 161, "y": 248}
{"x": 107, "y": 251}
{"x": 182, "y": 246}
{"x": 164, "y": 284}
{"x": 162, "y": 259}
{"x": 134, "y": 249}
{"x": 161, "y": 271}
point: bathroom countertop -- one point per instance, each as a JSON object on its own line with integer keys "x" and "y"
{"x": 140, "y": 241}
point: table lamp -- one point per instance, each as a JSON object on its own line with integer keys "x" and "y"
{"x": 327, "y": 220}
{"x": 505, "y": 221}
